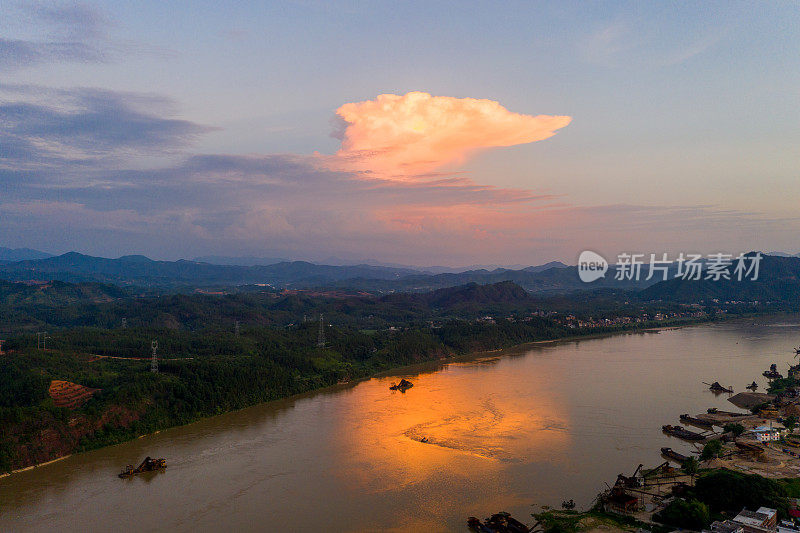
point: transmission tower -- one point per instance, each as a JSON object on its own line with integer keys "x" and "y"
{"x": 154, "y": 360}
{"x": 321, "y": 335}
{"x": 124, "y": 323}
{"x": 237, "y": 328}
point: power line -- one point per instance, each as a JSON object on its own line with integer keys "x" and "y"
{"x": 154, "y": 360}
{"x": 41, "y": 341}
{"x": 321, "y": 335}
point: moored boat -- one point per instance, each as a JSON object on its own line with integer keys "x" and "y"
{"x": 705, "y": 424}
{"x": 675, "y": 456}
{"x": 681, "y": 433}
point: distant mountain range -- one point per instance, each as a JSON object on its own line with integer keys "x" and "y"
{"x": 138, "y": 270}
{"x": 335, "y": 261}
{"x": 142, "y": 271}
{"x": 21, "y": 254}
{"x": 779, "y": 279}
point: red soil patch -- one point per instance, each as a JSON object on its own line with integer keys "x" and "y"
{"x": 67, "y": 394}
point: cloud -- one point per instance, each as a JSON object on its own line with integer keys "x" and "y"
{"x": 71, "y": 33}
{"x": 42, "y": 127}
{"x": 15, "y": 53}
{"x": 635, "y": 42}
{"x": 76, "y": 21}
{"x": 399, "y": 137}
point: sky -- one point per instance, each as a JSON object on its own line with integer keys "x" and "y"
{"x": 417, "y": 133}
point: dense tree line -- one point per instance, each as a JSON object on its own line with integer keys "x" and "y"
{"x": 207, "y": 372}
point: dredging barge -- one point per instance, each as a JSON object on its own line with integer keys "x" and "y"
{"x": 681, "y": 433}
{"x": 705, "y": 424}
{"x": 148, "y": 465}
{"x": 403, "y": 386}
{"x": 675, "y": 456}
{"x": 716, "y": 387}
{"x": 499, "y": 523}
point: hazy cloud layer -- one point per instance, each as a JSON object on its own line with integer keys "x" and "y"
{"x": 71, "y": 176}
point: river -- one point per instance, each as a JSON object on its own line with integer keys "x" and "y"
{"x": 513, "y": 431}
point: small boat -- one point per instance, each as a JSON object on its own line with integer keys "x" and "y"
{"x": 148, "y": 465}
{"x": 505, "y": 523}
{"x": 705, "y": 424}
{"x": 403, "y": 386}
{"x": 753, "y": 386}
{"x": 681, "y": 433}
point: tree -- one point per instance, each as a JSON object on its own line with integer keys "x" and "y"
{"x": 691, "y": 514}
{"x": 711, "y": 449}
{"x": 726, "y": 491}
{"x": 732, "y": 427}
{"x": 790, "y": 422}
{"x": 691, "y": 466}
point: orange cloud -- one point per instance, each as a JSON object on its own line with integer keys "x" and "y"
{"x": 400, "y": 137}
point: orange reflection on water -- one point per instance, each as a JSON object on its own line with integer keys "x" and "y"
{"x": 453, "y": 417}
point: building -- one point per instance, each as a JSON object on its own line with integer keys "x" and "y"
{"x": 765, "y": 434}
{"x": 765, "y": 520}
{"x": 794, "y": 507}
{"x": 728, "y": 526}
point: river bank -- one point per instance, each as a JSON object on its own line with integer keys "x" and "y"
{"x": 73, "y": 432}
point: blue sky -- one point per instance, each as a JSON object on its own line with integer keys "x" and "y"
{"x": 685, "y": 125}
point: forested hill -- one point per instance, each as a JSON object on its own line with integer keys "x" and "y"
{"x": 56, "y": 294}
{"x": 470, "y": 296}
{"x": 778, "y": 281}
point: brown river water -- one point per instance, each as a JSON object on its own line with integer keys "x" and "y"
{"x": 510, "y": 431}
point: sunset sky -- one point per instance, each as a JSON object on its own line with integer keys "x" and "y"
{"x": 420, "y": 133}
